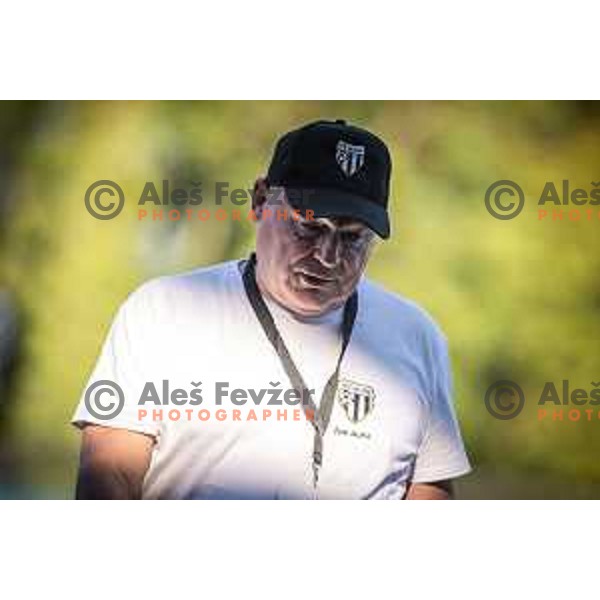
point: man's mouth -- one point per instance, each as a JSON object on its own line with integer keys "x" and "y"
{"x": 311, "y": 280}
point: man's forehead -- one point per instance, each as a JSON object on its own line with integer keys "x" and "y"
{"x": 341, "y": 222}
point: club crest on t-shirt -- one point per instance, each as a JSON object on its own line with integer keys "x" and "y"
{"x": 357, "y": 399}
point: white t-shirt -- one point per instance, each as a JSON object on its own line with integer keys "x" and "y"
{"x": 392, "y": 421}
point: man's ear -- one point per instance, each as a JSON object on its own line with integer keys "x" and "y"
{"x": 259, "y": 195}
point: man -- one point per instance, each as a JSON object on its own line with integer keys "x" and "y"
{"x": 367, "y": 372}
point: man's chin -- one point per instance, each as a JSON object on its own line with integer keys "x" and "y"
{"x": 312, "y": 302}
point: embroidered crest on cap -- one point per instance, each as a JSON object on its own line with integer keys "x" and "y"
{"x": 350, "y": 158}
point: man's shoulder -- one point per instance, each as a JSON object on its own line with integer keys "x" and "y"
{"x": 178, "y": 289}
{"x": 392, "y": 312}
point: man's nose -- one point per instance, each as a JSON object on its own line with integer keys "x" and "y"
{"x": 328, "y": 250}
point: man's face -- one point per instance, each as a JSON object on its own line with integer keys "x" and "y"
{"x": 309, "y": 266}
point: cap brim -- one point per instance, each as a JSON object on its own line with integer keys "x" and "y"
{"x": 327, "y": 202}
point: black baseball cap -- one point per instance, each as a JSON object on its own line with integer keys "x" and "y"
{"x": 335, "y": 170}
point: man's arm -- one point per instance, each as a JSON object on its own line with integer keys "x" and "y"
{"x": 113, "y": 463}
{"x": 438, "y": 490}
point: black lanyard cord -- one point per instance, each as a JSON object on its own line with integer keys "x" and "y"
{"x": 320, "y": 417}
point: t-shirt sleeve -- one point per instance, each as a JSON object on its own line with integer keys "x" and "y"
{"x": 441, "y": 454}
{"x": 110, "y": 397}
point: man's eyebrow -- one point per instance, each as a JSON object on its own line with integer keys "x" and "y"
{"x": 352, "y": 226}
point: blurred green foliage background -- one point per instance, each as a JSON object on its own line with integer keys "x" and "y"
{"x": 518, "y": 299}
